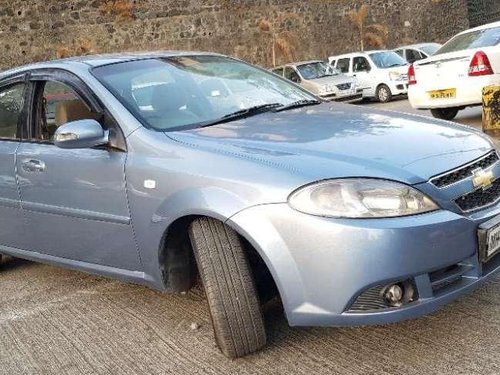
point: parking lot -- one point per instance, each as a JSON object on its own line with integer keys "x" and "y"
{"x": 56, "y": 321}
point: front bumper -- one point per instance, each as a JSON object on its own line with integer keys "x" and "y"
{"x": 342, "y": 97}
{"x": 398, "y": 87}
{"x": 321, "y": 266}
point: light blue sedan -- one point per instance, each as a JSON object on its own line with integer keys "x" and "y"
{"x": 163, "y": 168}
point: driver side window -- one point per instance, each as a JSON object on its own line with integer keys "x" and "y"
{"x": 58, "y": 105}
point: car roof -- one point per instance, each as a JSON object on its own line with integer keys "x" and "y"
{"x": 101, "y": 60}
{"x": 417, "y": 45}
{"x": 295, "y": 64}
{"x": 359, "y": 53}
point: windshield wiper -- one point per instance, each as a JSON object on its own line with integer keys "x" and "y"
{"x": 243, "y": 113}
{"x": 298, "y": 104}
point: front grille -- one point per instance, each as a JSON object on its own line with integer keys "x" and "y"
{"x": 480, "y": 198}
{"x": 344, "y": 86}
{"x": 465, "y": 171}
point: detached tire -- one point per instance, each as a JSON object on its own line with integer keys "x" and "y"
{"x": 444, "y": 113}
{"x": 229, "y": 286}
{"x": 383, "y": 94}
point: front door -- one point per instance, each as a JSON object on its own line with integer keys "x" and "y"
{"x": 362, "y": 70}
{"x": 75, "y": 199}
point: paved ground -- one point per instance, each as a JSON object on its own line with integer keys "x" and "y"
{"x": 55, "y": 321}
{"x": 469, "y": 116}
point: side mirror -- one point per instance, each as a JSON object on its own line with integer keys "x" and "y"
{"x": 81, "y": 134}
{"x": 295, "y": 79}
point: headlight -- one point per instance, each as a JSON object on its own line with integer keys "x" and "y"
{"x": 360, "y": 198}
{"x": 395, "y": 76}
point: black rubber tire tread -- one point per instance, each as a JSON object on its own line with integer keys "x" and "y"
{"x": 444, "y": 113}
{"x": 389, "y": 97}
{"x": 229, "y": 286}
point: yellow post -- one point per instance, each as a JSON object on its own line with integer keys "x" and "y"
{"x": 491, "y": 110}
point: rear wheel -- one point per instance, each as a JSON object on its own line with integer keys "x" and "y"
{"x": 229, "y": 286}
{"x": 384, "y": 94}
{"x": 445, "y": 113}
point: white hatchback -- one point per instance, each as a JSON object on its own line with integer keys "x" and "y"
{"x": 455, "y": 76}
{"x": 383, "y": 74}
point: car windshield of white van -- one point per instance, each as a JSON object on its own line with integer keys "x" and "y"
{"x": 387, "y": 59}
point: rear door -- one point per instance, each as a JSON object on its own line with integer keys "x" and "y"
{"x": 12, "y": 100}
{"x": 75, "y": 200}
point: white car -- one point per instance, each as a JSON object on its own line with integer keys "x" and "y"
{"x": 455, "y": 76}
{"x": 417, "y": 52}
{"x": 383, "y": 74}
{"x": 323, "y": 80}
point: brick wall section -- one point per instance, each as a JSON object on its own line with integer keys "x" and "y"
{"x": 34, "y": 30}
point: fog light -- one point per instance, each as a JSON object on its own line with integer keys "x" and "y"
{"x": 396, "y": 295}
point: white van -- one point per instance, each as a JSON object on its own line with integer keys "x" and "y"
{"x": 383, "y": 74}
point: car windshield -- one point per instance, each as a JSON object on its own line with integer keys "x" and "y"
{"x": 471, "y": 40}
{"x": 191, "y": 91}
{"x": 430, "y": 49}
{"x": 387, "y": 59}
{"x": 315, "y": 70}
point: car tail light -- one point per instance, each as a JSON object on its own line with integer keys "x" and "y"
{"x": 480, "y": 65}
{"x": 412, "y": 79}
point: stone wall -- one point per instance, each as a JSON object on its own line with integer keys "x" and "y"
{"x": 34, "y": 30}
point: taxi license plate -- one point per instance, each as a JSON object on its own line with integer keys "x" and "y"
{"x": 489, "y": 239}
{"x": 443, "y": 94}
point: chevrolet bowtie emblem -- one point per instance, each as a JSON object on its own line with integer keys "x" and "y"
{"x": 482, "y": 179}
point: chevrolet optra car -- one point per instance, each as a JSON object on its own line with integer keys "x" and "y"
{"x": 323, "y": 80}
{"x": 162, "y": 169}
{"x": 454, "y": 77}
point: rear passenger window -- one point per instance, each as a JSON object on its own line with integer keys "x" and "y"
{"x": 11, "y": 107}
{"x": 343, "y": 65}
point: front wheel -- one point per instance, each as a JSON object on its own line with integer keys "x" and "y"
{"x": 384, "y": 94}
{"x": 444, "y": 113}
{"x": 229, "y": 286}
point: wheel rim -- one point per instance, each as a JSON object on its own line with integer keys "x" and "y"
{"x": 383, "y": 94}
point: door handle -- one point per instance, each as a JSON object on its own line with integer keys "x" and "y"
{"x": 33, "y": 165}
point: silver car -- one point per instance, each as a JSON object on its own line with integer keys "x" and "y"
{"x": 323, "y": 80}
{"x": 165, "y": 169}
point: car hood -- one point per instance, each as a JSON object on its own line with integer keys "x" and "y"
{"x": 331, "y": 80}
{"x": 337, "y": 140}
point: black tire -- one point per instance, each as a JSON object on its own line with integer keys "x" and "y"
{"x": 229, "y": 286}
{"x": 445, "y": 113}
{"x": 383, "y": 94}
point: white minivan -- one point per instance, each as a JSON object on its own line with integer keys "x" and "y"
{"x": 383, "y": 74}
